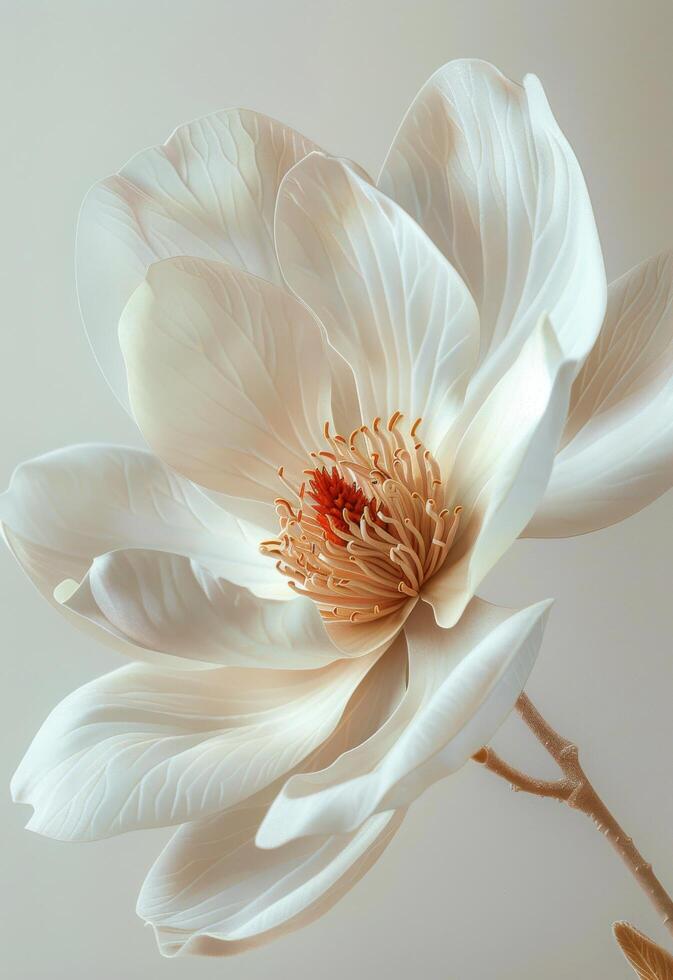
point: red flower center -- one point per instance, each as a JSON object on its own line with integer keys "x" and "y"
{"x": 332, "y": 495}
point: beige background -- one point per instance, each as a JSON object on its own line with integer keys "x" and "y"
{"x": 481, "y": 883}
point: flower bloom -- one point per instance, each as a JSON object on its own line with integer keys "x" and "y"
{"x": 357, "y": 395}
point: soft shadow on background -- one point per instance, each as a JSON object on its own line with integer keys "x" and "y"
{"x": 480, "y": 883}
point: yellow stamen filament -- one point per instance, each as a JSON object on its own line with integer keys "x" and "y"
{"x": 368, "y": 532}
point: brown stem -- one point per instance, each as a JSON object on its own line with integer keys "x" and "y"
{"x": 575, "y": 789}
{"x": 556, "y": 789}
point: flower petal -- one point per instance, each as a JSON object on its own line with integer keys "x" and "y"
{"x": 82, "y": 501}
{"x": 501, "y": 467}
{"x": 462, "y": 684}
{"x": 209, "y": 191}
{"x": 169, "y": 603}
{"x": 214, "y": 892}
{"x": 481, "y": 164}
{"x": 617, "y": 450}
{"x": 391, "y": 304}
{"x": 354, "y": 638}
{"x": 212, "y": 356}
{"x": 149, "y": 747}
{"x": 63, "y": 509}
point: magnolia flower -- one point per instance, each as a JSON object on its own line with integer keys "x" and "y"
{"x": 357, "y": 395}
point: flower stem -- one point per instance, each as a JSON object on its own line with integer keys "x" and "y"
{"x": 575, "y": 789}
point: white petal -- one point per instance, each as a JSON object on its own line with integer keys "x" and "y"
{"x": 462, "y": 684}
{"x": 213, "y": 892}
{"x": 391, "y": 304}
{"x": 63, "y": 509}
{"x": 82, "y": 501}
{"x": 346, "y": 410}
{"x": 169, "y": 603}
{"x": 502, "y": 465}
{"x": 375, "y": 699}
{"x": 209, "y": 191}
{"x": 617, "y": 453}
{"x": 228, "y": 376}
{"x": 353, "y": 638}
{"x": 480, "y": 692}
{"x": 481, "y": 164}
{"x": 144, "y": 747}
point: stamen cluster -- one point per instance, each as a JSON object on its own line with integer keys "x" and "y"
{"x": 370, "y": 524}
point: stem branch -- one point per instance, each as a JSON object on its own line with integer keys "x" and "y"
{"x": 575, "y": 789}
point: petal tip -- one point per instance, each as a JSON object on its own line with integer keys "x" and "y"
{"x": 65, "y": 590}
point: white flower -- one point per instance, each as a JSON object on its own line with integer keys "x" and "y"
{"x": 355, "y": 394}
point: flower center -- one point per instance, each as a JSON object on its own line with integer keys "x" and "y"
{"x": 370, "y": 523}
{"x": 338, "y": 503}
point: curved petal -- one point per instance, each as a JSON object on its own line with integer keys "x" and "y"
{"x": 63, "y": 509}
{"x": 73, "y": 504}
{"x": 462, "y": 684}
{"x": 501, "y": 467}
{"x": 353, "y": 638}
{"x": 212, "y": 356}
{"x": 209, "y": 191}
{"x": 617, "y": 453}
{"x": 346, "y": 410}
{"x": 483, "y": 167}
{"x": 391, "y": 304}
{"x": 169, "y": 603}
{"x": 214, "y": 892}
{"x": 143, "y": 747}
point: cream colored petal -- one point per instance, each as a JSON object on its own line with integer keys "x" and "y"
{"x": 169, "y": 603}
{"x": 462, "y": 684}
{"x": 390, "y": 303}
{"x": 501, "y": 467}
{"x": 214, "y": 892}
{"x": 63, "y": 509}
{"x": 346, "y": 410}
{"x": 82, "y": 501}
{"x": 354, "y": 638}
{"x": 617, "y": 449}
{"x": 147, "y": 747}
{"x": 482, "y": 165}
{"x": 228, "y": 376}
{"x": 209, "y": 191}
